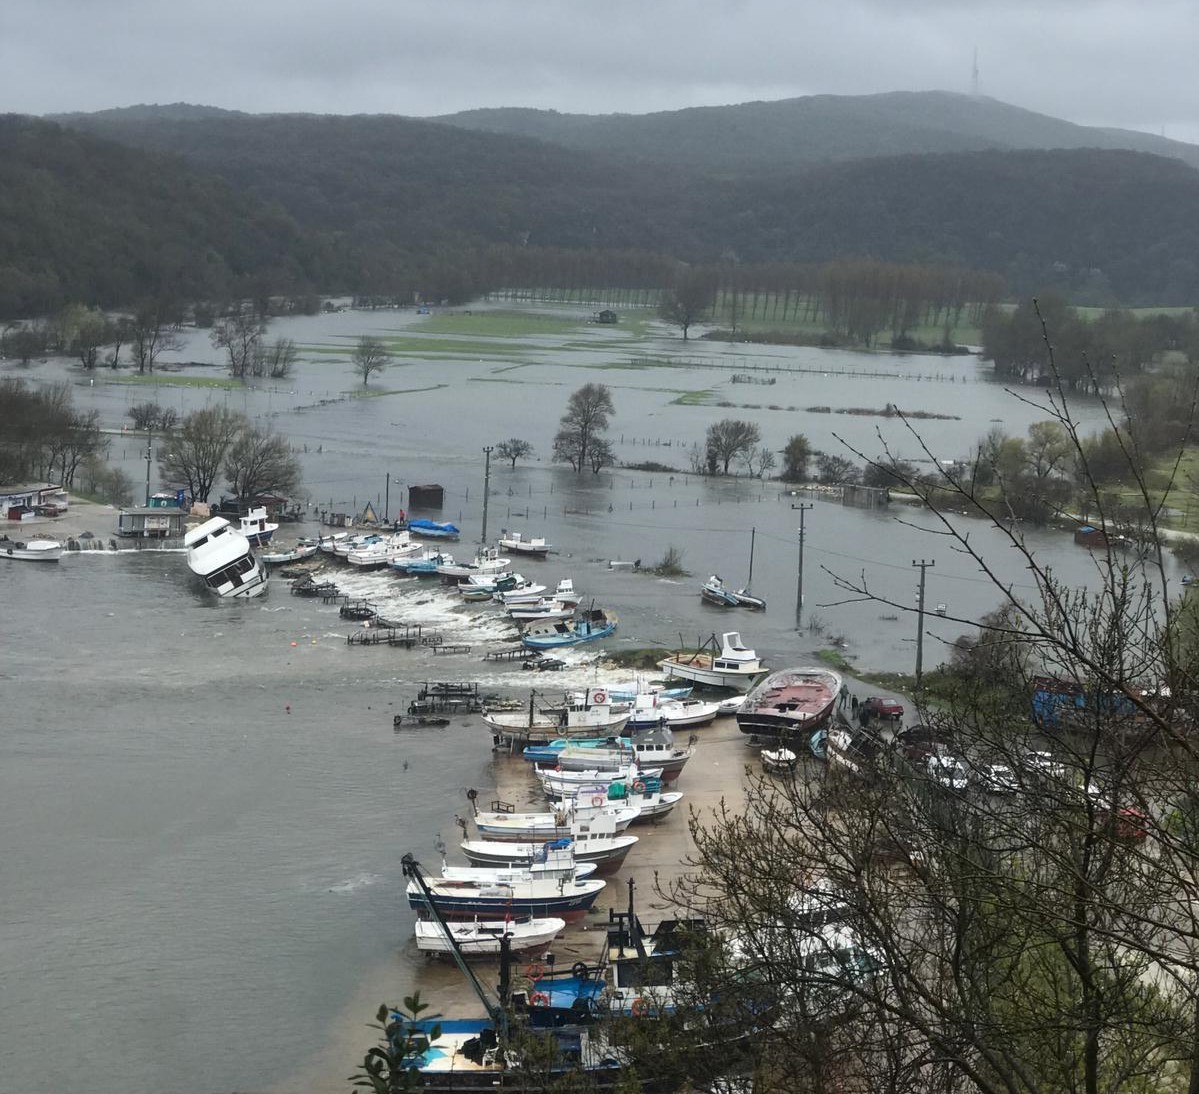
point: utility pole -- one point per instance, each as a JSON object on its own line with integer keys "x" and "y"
{"x": 486, "y": 488}
{"x": 924, "y": 565}
{"x": 803, "y": 507}
{"x": 149, "y": 459}
{"x": 387, "y": 500}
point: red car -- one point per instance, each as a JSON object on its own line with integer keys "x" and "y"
{"x": 878, "y": 706}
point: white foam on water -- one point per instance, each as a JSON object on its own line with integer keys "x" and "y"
{"x": 353, "y": 884}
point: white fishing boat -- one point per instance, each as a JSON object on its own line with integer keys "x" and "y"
{"x": 221, "y": 555}
{"x": 328, "y": 544}
{"x": 734, "y": 666}
{"x": 557, "y": 860}
{"x": 539, "y": 610}
{"x": 645, "y": 794}
{"x": 302, "y": 550}
{"x": 31, "y": 550}
{"x": 523, "y": 591}
{"x": 356, "y": 542}
{"x": 595, "y": 842}
{"x": 688, "y": 713}
{"x": 255, "y": 526}
{"x": 518, "y": 544}
{"x": 555, "y": 824}
{"x": 562, "y": 784}
{"x": 487, "y": 563}
{"x": 481, "y": 937}
{"x": 384, "y": 551}
{"x": 594, "y": 717}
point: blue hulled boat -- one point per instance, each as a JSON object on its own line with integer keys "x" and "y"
{"x": 588, "y": 627}
{"x": 433, "y": 529}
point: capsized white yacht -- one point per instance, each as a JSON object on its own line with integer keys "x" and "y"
{"x": 221, "y": 555}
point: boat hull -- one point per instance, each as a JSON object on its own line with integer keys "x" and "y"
{"x": 790, "y": 704}
{"x": 606, "y": 858}
{"x": 569, "y": 905}
{"x": 48, "y": 550}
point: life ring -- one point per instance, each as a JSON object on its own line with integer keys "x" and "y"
{"x": 599, "y": 697}
{"x": 640, "y": 1007}
{"x": 639, "y": 786}
{"x": 597, "y": 799}
{"x": 539, "y": 999}
{"x": 534, "y": 972}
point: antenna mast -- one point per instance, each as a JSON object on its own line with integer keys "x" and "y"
{"x": 974, "y": 75}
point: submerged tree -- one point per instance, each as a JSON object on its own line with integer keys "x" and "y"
{"x": 689, "y": 299}
{"x": 579, "y": 440}
{"x": 260, "y": 462}
{"x": 240, "y": 336}
{"x": 193, "y": 457}
{"x": 513, "y": 449}
{"x": 727, "y": 440}
{"x": 370, "y": 356}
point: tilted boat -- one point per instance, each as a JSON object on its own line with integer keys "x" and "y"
{"x": 734, "y": 666}
{"x": 779, "y": 760}
{"x": 481, "y": 937}
{"x": 32, "y": 550}
{"x": 221, "y": 555}
{"x": 517, "y": 544}
{"x": 588, "y": 627}
{"x": 714, "y": 592}
{"x": 255, "y": 526}
{"x": 790, "y": 704}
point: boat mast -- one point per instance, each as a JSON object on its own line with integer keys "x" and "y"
{"x": 753, "y": 532}
{"x": 495, "y": 1010}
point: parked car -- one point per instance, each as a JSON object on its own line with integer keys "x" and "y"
{"x": 1044, "y": 763}
{"x": 997, "y": 779}
{"x": 947, "y": 771}
{"x": 879, "y": 706}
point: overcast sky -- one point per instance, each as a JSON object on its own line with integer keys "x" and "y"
{"x": 1097, "y": 63}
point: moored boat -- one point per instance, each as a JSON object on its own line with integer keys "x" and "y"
{"x": 542, "y": 897}
{"x": 688, "y": 713}
{"x": 593, "y": 717}
{"x": 540, "y": 610}
{"x": 256, "y": 527}
{"x": 518, "y": 544}
{"x": 734, "y": 666}
{"x": 556, "y": 824}
{"x": 562, "y": 784}
{"x": 384, "y": 550}
{"x": 489, "y": 562}
{"x": 595, "y": 842}
{"x": 302, "y": 550}
{"x": 651, "y": 801}
{"x": 790, "y": 703}
{"x": 481, "y": 937}
{"x": 31, "y": 550}
{"x": 221, "y": 555}
{"x": 421, "y": 565}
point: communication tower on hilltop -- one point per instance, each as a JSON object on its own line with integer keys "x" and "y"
{"x": 974, "y": 75}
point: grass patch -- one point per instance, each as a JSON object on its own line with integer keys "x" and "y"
{"x": 497, "y": 324}
{"x": 703, "y": 397}
{"x": 645, "y": 657}
{"x": 835, "y": 659}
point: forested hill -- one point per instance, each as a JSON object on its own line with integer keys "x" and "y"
{"x": 387, "y": 205}
{"x": 814, "y": 130}
{"x": 92, "y": 221}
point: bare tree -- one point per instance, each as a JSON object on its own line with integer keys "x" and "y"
{"x": 276, "y": 360}
{"x": 194, "y": 456}
{"x": 151, "y": 415}
{"x": 151, "y": 334}
{"x": 582, "y": 426}
{"x": 259, "y": 462}
{"x": 370, "y": 356}
{"x": 727, "y": 440}
{"x": 513, "y": 449}
{"x": 688, "y": 300}
{"x": 240, "y": 336}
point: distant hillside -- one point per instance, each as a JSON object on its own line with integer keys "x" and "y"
{"x": 88, "y": 220}
{"x": 384, "y": 204}
{"x": 814, "y": 130}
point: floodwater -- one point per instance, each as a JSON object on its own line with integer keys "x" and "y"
{"x": 205, "y": 804}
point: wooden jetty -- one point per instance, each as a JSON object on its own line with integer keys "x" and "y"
{"x": 446, "y": 697}
{"x": 362, "y": 610}
{"x": 518, "y": 653}
{"x": 325, "y": 590}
